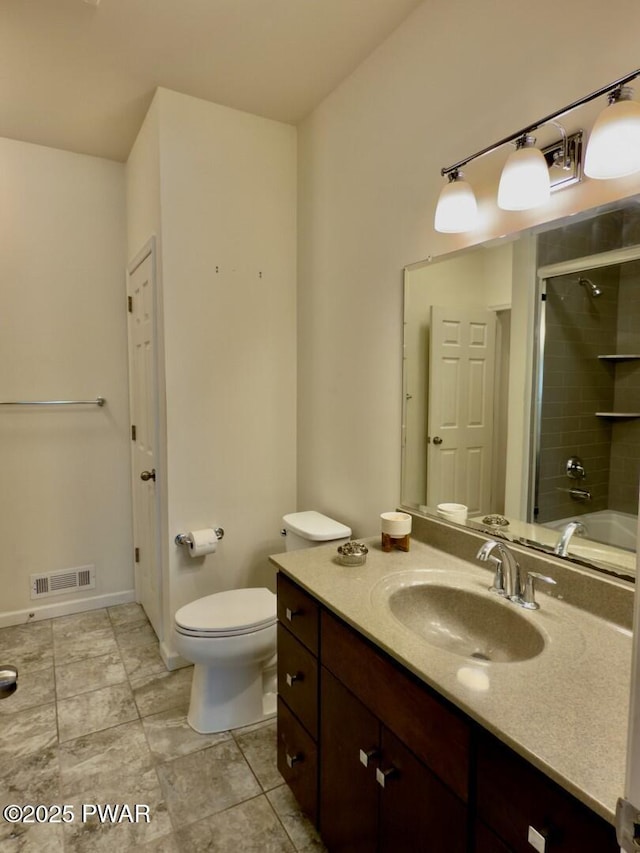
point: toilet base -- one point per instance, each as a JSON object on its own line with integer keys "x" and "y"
{"x": 228, "y": 698}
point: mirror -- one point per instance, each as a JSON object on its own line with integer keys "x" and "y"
{"x": 521, "y": 385}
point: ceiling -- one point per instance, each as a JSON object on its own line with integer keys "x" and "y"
{"x": 80, "y": 74}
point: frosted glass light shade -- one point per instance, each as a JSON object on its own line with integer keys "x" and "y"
{"x": 457, "y": 209}
{"x": 613, "y": 150}
{"x": 524, "y": 182}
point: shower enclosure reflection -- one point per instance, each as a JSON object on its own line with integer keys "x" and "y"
{"x": 564, "y": 417}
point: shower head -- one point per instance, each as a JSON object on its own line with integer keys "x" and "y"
{"x": 594, "y": 290}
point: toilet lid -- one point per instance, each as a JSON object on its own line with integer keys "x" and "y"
{"x": 234, "y": 611}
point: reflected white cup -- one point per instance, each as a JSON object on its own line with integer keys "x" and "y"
{"x": 395, "y": 524}
{"x": 453, "y": 512}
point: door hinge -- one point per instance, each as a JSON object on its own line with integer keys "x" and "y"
{"x": 130, "y": 304}
{"x": 137, "y": 555}
{"x": 627, "y": 826}
{"x": 133, "y": 432}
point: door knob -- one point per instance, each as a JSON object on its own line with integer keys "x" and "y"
{"x": 148, "y": 475}
{"x": 437, "y": 439}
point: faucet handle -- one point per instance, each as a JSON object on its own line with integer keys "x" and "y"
{"x": 529, "y": 597}
{"x": 498, "y": 579}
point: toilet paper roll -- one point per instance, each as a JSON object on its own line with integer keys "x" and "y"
{"x": 202, "y": 542}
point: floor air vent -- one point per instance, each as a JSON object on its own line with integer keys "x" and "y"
{"x": 57, "y": 583}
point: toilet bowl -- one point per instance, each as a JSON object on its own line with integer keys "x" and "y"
{"x": 230, "y": 637}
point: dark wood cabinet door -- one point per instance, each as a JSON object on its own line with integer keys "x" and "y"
{"x": 487, "y": 842}
{"x": 418, "y": 814}
{"x": 348, "y": 789}
{"x": 514, "y": 796}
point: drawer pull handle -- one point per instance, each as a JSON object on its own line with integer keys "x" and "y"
{"x": 294, "y": 759}
{"x": 383, "y": 775}
{"x": 291, "y": 679}
{"x": 366, "y": 755}
{"x": 289, "y": 613}
{"x": 537, "y": 840}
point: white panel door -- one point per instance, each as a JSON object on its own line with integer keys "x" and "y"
{"x": 143, "y": 392}
{"x": 460, "y": 422}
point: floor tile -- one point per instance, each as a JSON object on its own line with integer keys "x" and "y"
{"x": 206, "y": 782}
{"x": 28, "y": 647}
{"x": 31, "y": 778}
{"x": 122, "y": 749}
{"x": 140, "y": 661}
{"x": 299, "y": 828}
{"x": 77, "y": 624}
{"x": 259, "y": 748}
{"x": 26, "y": 732}
{"x": 31, "y": 838}
{"x": 91, "y": 712}
{"x": 35, "y": 688}
{"x": 73, "y": 647}
{"x": 250, "y": 827}
{"x": 118, "y": 788}
{"x": 124, "y": 615}
{"x": 131, "y": 636}
{"x": 169, "y": 735}
{"x": 89, "y": 674}
{"x": 161, "y": 691}
{"x": 166, "y": 844}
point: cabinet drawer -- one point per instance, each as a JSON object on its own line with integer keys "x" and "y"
{"x": 298, "y": 680}
{"x": 513, "y": 796}
{"x": 437, "y": 735}
{"x": 299, "y": 612}
{"x": 298, "y": 761}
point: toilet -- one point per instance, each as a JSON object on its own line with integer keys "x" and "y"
{"x": 230, "y": 637}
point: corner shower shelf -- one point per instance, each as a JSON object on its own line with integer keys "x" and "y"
{"x": 620, "y": 357}
{"x": 618, "y": 414}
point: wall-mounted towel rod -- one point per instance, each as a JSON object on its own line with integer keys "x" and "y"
{"x": 99, "y": 401}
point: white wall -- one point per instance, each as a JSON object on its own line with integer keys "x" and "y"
{"x": 451, "y": 80}
{"x": 64, "y": 500}
{"x": 228, "y": 243}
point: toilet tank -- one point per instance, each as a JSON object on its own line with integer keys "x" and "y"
{"x": 308, "y": 529}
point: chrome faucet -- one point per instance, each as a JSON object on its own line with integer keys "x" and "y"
{"x": 562, "y": 546}
{"x": 507, "y": 581}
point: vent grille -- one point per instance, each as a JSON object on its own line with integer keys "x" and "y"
{"x": 57, "y": 583}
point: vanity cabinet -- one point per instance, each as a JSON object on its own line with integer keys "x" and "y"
{"x": 383, "y": 764}
{"x": 514, "y": 799}
{"x": 374, "y": 793}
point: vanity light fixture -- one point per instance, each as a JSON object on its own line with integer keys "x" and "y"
{"x": 457, "y": 209}
{"x": 530, "y": 174}
{"x": 524, "y": 182}
{"x": 614, "y": 144}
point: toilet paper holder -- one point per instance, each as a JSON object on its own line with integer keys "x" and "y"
{"x": 185, "y": 538}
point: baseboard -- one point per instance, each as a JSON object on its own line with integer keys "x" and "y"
{"x": 172, "y": 660}
{"x": 64, "y": 608}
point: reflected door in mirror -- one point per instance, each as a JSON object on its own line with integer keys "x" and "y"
{"x": 461, "y": 384}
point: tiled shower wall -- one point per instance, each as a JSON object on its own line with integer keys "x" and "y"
{"x": 625, "y": 440}
{"x": 576, "y": 385}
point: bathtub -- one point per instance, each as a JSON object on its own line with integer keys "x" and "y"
{"x": 608, "y": 526}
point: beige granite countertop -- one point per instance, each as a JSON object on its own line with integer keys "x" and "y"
{"x": 564, "y": 710}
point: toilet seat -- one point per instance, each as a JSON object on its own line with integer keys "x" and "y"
{"x": 227, "y": 614}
